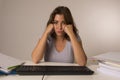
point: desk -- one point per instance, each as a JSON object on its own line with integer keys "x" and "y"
{"x": 96, "y": 76}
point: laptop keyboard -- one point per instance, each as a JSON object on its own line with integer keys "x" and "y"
{"x": 53, "y": 70}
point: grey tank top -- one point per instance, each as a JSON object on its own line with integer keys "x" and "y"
{"x": 52, "y": 55}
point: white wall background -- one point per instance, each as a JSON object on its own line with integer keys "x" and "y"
{"x": 22, "y": 23}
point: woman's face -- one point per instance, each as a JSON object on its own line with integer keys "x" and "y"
{"x": 59, "y": 23}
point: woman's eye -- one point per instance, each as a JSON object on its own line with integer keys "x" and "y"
{"x": 63, "y": 22}
{"x": 54, "y": 22}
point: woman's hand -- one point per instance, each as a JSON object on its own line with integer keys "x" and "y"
{"x": 49, "y": 28}
{"x": 68, "y": 29}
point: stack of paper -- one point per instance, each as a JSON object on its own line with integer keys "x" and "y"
{"x": 109, "y": 63}
{"x": 7, "y": 63}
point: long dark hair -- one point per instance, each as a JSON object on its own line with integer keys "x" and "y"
{"x": 62, "y": 10}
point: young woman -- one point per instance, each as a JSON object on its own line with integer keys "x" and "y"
{"x": 60, "y": 42}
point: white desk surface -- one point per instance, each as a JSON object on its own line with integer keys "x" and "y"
{"x": 96, "y": 76}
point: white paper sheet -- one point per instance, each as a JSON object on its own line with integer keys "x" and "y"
{"x": 110, "y": 56}
{"x": 111, "y": 67}
{"x": 109, "y": 71}
{"x": 7, "y": 61}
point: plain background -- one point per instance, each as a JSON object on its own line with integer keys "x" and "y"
{"x": 22, "y": 23}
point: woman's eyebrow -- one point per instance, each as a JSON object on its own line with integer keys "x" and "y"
{"x": 63, "y": 21}
{"x": 56, "y": 20}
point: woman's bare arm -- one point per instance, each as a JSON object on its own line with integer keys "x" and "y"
{"x": 79, "y": 53}
{"x": 39, "y": 50}
{"x": 37, "y": 53}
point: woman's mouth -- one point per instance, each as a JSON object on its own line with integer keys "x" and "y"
{"x": 59, "y": 31}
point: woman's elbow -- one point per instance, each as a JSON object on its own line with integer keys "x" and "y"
{"x": 35, "y": 60}
{"x": 82, "y": 63}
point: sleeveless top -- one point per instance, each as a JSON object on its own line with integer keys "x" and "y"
{"x": 52, "y": 55}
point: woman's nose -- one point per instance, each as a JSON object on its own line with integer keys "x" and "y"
{"x": 60, "y": 26}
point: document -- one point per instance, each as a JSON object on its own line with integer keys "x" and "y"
{"x": 109, "y": 63}
{"x": 109, "y": 57}
{"x": 108, "y": 66}
{"x": 109, "y": 71}
{"x": 7, "y": 63}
